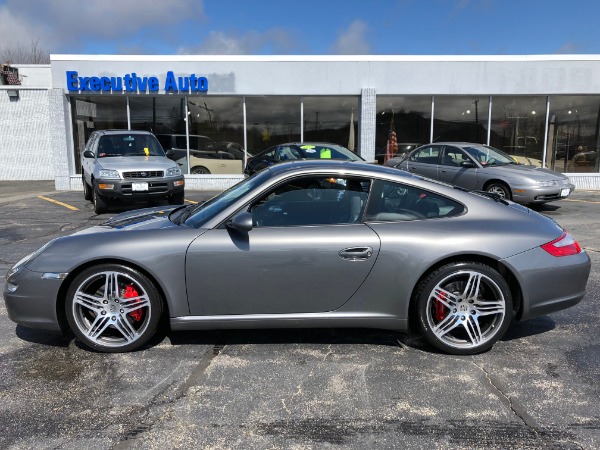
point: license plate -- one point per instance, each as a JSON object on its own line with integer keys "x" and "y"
{"x": 565, "y": 192}
{"x": 142, "y": 186}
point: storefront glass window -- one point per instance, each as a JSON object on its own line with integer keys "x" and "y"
{"x": 518, "y": 125}
{"x": 408, "y": 116}
{"x": 460, "y": 119}
{"x": 574, "y": 134}
{"x": 91, "y": 113}
{"x": 272, "y": 121}
{"x": 216, "y": 127}
{"x": 328, "y": 119}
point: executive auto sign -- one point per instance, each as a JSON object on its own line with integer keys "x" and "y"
{"x": 132, "y": 83}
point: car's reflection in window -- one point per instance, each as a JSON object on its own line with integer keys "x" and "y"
{"x": 395, "y": 202}
{"x": 315, "y": 200}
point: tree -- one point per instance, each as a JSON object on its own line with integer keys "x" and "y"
{"x": 22, "y": 54}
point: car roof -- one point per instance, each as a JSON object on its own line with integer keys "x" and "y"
{"x": 104, "y": 132}
{"x": 337, "y": 165}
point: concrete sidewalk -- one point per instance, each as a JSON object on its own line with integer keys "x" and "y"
{"x": 18, "y": 190}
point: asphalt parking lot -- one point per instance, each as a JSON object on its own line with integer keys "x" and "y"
{"x": 539, "y": 387}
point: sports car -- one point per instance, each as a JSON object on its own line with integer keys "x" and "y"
{"x": 307, "y": 244}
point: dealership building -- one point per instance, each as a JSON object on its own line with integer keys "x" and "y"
{"x": 545, "y": 107}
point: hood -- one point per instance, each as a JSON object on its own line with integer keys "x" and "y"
{"x": 537, "y": 173}
{"x": 140, "y": 219}
{"x": 136, "y": 163}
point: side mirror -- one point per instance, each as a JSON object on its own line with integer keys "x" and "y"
{"x": 241, "y": 221}
{"x": 170, "y": 153}
{"x": 468, "y": 164}
{"x": 88, "y": 154}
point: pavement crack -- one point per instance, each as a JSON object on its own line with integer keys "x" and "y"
{"x": 518, "y": 410}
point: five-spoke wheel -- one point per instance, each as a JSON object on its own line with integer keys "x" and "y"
{"x": 464, "y": 308}
{"x": 113, "y": 308}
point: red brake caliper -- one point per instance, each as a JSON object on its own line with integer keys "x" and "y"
{"x": 440, "y": 309}
{"x": 130, "y": 292}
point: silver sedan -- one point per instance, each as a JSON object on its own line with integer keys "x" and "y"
{"x": 306, "y": 244}
{"x": 481, "y": 167}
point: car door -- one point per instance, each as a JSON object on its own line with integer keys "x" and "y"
{"x": 88, "y": 163}
{"x": 451, "y": 171}
{"x": 308, "y": 252}
{"x": 424, "y": 161}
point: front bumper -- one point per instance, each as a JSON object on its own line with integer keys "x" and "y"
{"x": 33, "y": 303}
{"x": 125, "y": 189}
{"x": 549, "y": 283}
{"x": 538, "y": 194}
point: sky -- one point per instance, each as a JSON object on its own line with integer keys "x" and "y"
{"x": 307, "y": 27}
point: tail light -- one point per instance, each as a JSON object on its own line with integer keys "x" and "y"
{"x": 565, "y": 245}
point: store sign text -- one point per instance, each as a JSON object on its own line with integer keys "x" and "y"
{"x": 132, "y": 83}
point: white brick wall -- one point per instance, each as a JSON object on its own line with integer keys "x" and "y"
{"x": 25, "y": 146}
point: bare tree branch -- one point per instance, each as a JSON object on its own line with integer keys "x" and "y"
{"x": 21, "y": 54}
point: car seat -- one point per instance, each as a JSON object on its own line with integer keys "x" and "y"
{"x": 427, "y": 208}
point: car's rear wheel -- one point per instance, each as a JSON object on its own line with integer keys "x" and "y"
{"x": 100, "y": 204}
{"x": 497, "y": 187}
{"x": 87, "y": 190}
{"x": 113, "y": 308}
{"x": 200, "y": 170}
{"x": 464, "y": 308}
{"x": 177, "y": 199}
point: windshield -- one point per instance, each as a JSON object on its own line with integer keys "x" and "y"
{"x": 489, "y": 156}
{"x": 132, "y": 144}
{"x": 201, "y": 214}
{"x": 316, "y": 151}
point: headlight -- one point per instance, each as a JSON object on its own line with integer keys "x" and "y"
{"x": 547, "y": 183}
{"x": 107, "y": 173}
{"x": 14, "y": 269}
{"x": 173, "y": 172}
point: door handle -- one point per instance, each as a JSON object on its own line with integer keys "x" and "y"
{"x": 356, "y": 253}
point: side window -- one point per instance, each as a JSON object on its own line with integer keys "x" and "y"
{"x": 453, "y": 156}
{"x": 315, "y": 200}
{"x": 396, "y": 202}
{"x": 270, "y": 155}
{"x": 426, "y": 155}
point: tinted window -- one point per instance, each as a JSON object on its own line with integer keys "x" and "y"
{"x": 394, "y": 202}
{"x": 312, "y": 201}
{"x": 315, "y": 151}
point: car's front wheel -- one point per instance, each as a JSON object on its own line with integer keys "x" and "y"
{"x": 113, "y": 308}
{"x": 464, "y": 308}
{"x": 87, "y": 190}
{"x": 177, "y": 199}
{"x": 500, "y": 189}
{"x": 99, "y": 201}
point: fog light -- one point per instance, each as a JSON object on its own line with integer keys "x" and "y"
{"x": 179, "y": 183}
{"x": 10, "y": 287}
{"x": 106, "y": 186}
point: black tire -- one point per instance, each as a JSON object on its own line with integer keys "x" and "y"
{"x": 463, "y": 308}
{"x": 497, "y": 187}
{"x": 121, "y": 320}
{"x": 100, "y": 204}
{"x": 200, "y": 170}
{"x": 177, "y": 199}
{"x": 87, "y": 189}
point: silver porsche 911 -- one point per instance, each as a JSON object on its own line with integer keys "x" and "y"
{"x": 307, "y": 244}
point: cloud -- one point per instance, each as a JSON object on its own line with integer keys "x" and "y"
{"x": 569, "y": 47}
{"x": 352, "y": 41}
{"x": 62, "y": 25}
{"x": 274, "y": 41}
